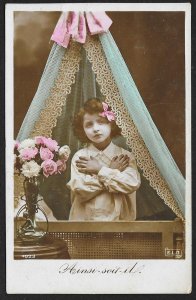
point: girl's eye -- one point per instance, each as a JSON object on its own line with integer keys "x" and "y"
{"x": 87, "y": 125}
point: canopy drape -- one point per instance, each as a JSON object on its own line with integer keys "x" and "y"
{"x": 97, "y": 69}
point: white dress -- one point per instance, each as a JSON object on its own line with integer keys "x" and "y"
{"x": 108, "y": 196}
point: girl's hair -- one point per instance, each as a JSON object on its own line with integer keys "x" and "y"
{"x": 91, "y": 106}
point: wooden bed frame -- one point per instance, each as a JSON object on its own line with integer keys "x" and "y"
{"x": 130, "y": 240}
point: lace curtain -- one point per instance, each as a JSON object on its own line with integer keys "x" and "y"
{"x": 59, "y": 96}
{"x": 146, "y": 128}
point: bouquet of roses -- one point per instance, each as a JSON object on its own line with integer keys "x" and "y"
{"x": 41, "y": 155}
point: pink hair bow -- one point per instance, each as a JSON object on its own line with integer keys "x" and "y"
{"x": 107, "y": 113}
{"x": 73, "y": 24}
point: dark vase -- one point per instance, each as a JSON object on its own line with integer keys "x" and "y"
{"x": 29, "y": 230}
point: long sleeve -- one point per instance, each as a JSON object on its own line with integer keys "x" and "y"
{"x": 125, "y": 182}
{"x": 85, "y": 186}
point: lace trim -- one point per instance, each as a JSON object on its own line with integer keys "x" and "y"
{"x": 54, "y": 104}
{"x": 58, "y": 95}
{"x": 109, "y": 89}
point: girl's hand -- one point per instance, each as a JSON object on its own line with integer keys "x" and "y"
{"x": 120, "y": 162}
{"x": 88, "y": 165}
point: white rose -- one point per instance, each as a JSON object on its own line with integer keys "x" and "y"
{"x": 30, "y": 169}
{"x": 64, "y": 151}
{"x": 28, "y": 143}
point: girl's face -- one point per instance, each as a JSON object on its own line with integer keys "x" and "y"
{"x": 97, "y": 128}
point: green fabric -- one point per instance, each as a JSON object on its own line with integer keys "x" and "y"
{"x": 46, "y": 83}
{"x": 143, "y": 121}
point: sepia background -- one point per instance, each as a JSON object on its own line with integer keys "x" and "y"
{"x": 152, "y": 44}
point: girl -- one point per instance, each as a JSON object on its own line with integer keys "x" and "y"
{"x": 104, "y": 177}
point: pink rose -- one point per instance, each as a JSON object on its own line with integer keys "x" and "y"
{"x": 45, "y": 154}
{"x": 40, "y": 140}
{"x": 51, "y": 144}
{"x": 28, "y": 153}
{"x": 61, "y": 166}
{"x": 49, "y": 167}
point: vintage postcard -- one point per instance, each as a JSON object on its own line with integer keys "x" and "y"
{"x": 98, "y": 178}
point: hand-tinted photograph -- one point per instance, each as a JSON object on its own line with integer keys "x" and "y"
{"x": 99, "y": 130}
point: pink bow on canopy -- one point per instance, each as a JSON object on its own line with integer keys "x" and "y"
{"x": 107, "y": 113}
{"x": 73, "y": 24}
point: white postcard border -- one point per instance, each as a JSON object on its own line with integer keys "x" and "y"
{"x": 42, "y": 276}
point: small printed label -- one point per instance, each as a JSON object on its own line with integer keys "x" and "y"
{"x": 177, "y": 253}
{"x": 28, "y": 256}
